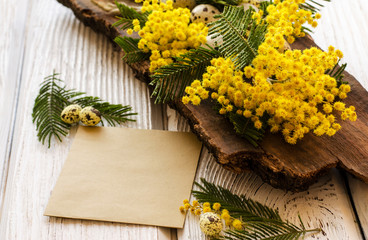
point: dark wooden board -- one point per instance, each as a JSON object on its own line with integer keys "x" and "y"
{"x": 290, "y": 167}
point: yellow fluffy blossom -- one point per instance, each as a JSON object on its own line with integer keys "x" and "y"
{"x": 195, "y": 203}
{"x": 216, "y": 206}
{"x": 286, "y": 90}
{"x": 226, "y": 217}
{"x": 237, "y": 224}
{"x": 168, "y": 32}
{"x": 206, "y": 209}
{"x": 198, "y": 212}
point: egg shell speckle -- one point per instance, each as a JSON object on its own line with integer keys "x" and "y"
{"x": 204, "y": 13}
{"x": 184, "y": 4}
{"x": 90, "y": 116}
{"x": 70, "y": 114}
{"x": 210, "y": 223}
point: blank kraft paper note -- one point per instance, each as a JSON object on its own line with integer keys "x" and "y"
{"x": 126, "y": 175}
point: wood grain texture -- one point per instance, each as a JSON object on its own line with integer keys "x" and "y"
{"x": 55, "y": 40}
{"x": 11, "y": 60}
{"x": 290, "y": 167}
{"x": 325, "y": 205}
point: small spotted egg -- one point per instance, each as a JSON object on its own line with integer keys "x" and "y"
{"x": 204, "y": 13}
{"x": 70, "y": 114}
{"x": 246, "y": 6}
{"x": 184, "y": 4}
{"x": 210, "y": 224}
{"x": 213, "y": 42}
{"x": 90, "y": 116}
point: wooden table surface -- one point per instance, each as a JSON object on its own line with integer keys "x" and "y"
{"x": 41, "y": 36}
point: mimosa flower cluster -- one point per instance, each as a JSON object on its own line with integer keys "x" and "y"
{"x": 287, "y": 17}
{"x": 215, "y": 211}
{"x": 287, "y": 91}
{"x": 168, "y": 32}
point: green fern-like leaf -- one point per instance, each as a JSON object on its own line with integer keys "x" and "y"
{"x": 128, "y": 14}
{"x": 170, "y": 81}
{"x": 239, "y": 206}
{"x": 130, "y": 47}
{"x": 245, "y": 128}
{"x": 241, "y": 35}
{"x": 113, "y": 114}
{"x": 337, "y": 73}
{"x": 312, "y": 5}
{"x": 53, "y": 98}
{"x": 261, "y": 222}
{"x": 49, "y": 103}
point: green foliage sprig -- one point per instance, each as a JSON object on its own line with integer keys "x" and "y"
{"x": 132, "y": 53}
{"x": 245, "y": 128}
{"x": 337, "y": 73}
{"x": 241, "y": 35}
{"x": 128, "y": 14}
{"x": 53, "y": 98}
{"x": 260, "y": 221}
{"x": 312, "y": 5}
{"x": 170, "y": 81}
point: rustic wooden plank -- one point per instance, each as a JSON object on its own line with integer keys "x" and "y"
{"x": 324, "y": 205}
{"x": 12, "y": 23}
{"x": 87, "y": 62}
{"x": 291, "y": 167}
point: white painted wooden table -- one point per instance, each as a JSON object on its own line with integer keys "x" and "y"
{"x": 38, "y": 37}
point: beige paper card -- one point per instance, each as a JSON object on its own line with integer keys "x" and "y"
{"x": 126, "y": 175}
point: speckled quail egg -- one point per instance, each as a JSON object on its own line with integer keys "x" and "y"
{"x": 90, "y": 116}
{"x": 210, "y": 224}
{"x": 213, "y": 42}
{"x": 70, "y": 114}
{"x": 204, "y": 13}
{"x": 246, "y": 6}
